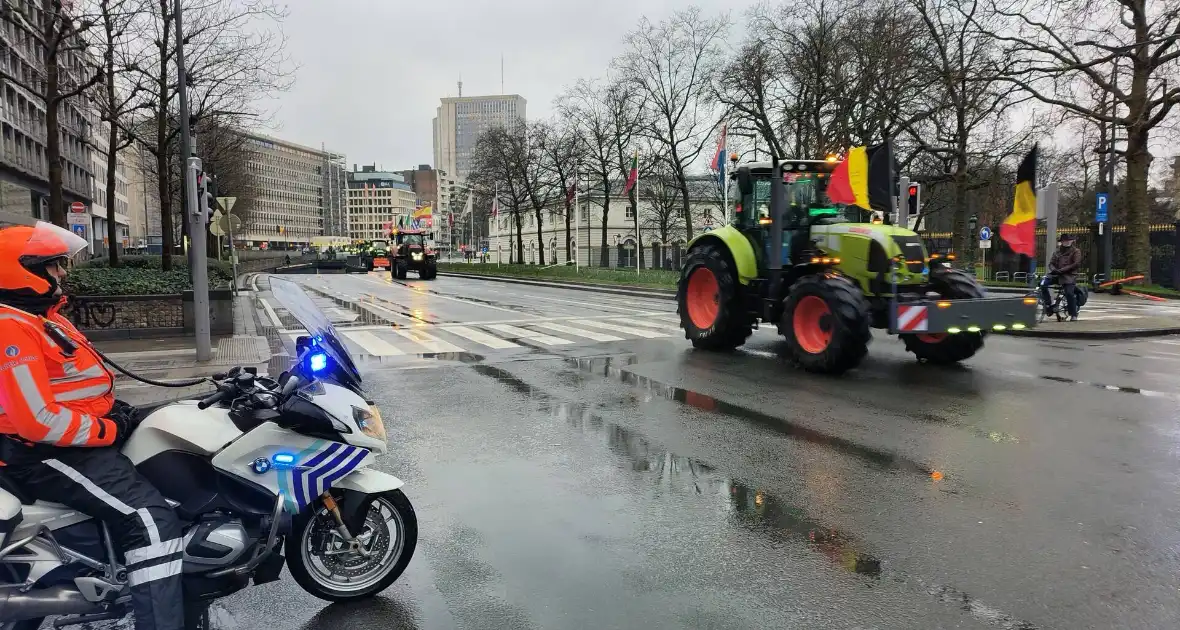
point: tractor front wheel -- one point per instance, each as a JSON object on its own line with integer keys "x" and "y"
{"x": 826, "y": 323}
{"x": 709, "y": 301}
{"x": 944, "y": 348}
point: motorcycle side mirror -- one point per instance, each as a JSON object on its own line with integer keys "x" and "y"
{"x": 302, "y": 342}
{"x": 252, "y": 370}
{"x": 234, "y": 371}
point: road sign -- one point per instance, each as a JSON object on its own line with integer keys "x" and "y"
{"x": 78, "y": 207}
{"x": 1100, "y": 212}
{"x": 79, "y": 229}
{"x": 985, "y": 244}
{"x": 985, "y": 233}
{"x": 227, "y": 203}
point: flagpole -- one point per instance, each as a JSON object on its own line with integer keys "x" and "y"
{"x": 724, "y": 179}
{"x": 638, "y": 241}
{"x": 577, "y": 228}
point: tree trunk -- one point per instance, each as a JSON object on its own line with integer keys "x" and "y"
{"x": 1138, "y": 243}
{"x": 167, "y": 238}
{"x": 519, "y": 235}
{"x": 57, "y": 208}
{"x": 112, "y": 162}
{"x": 603, "y": 254}
{"x": 569, "y": 211}
{"x": 540, "y": 237}
{"x": 685, "y": 203}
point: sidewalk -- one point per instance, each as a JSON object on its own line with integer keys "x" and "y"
{"x": 176, "y": 358}
{"x": 1103, "y": 317}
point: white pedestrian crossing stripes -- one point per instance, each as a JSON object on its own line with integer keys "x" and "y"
{"x": 480, "y": 337}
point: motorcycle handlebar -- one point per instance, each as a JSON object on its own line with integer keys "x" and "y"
{"x": 213, "y": 399}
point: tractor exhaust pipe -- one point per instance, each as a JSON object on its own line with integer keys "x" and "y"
{"x": 778, "y": 211}
{"x": 47, "y": 602}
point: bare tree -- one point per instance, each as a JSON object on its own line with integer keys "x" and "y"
{"x": 663, "y": 194}
{"x": 671, "y": 64}
{"x": 607, "y": 116}
{"x": 497, "y": 170}
{"x": 122, "y": 50}
{"x": 965, "y": 103}
{"x": 58, "y": 34}
{"x": 526, "y": 156}
{"x": 232, "y": 63}
{"x": 1126, "y": 52}
{"x": 564, "y": 150}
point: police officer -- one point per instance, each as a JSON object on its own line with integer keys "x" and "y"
{"x": 60, "y": 425}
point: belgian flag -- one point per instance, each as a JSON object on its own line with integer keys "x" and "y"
{"x": 865, "y": 178}
{"x": 1019, "y": 229}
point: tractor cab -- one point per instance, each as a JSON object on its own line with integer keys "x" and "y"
{"x": 411, "y": 252}
{"x": 805, "y": 184}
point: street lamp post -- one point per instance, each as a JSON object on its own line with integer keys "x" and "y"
{"x": 196, "y": 216}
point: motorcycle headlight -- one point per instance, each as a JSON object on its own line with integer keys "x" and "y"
{"x": 369, "y": 421}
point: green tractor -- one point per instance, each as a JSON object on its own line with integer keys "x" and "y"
{"x": 827, "y": 274}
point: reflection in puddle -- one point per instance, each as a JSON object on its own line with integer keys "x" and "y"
{"x": 612, "y": 368}
{"x": 750, "y": 507}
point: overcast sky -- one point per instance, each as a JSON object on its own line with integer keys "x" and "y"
{"x": 371, "y": 72}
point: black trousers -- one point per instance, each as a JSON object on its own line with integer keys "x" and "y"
{"x": 103, "y": 483}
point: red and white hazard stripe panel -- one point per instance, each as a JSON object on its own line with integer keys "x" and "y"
{"x": 912, "y": 318}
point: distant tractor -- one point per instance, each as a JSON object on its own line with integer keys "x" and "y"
{"x": 410, "y": 252}
{"x": 826, "y": 274}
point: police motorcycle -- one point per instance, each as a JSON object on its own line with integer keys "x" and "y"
{"x": 264, "y": 472}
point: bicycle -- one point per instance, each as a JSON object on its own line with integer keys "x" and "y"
{"x": 1057, "y": 306}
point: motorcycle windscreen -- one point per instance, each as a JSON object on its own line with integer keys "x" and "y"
{"x": 293, "y": 298}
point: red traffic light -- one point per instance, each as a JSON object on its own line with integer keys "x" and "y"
{"x": 913, "y": 189}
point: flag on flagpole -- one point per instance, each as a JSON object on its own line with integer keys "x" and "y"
{"x": 1019, "y": 229}
{"x": 572, "y": 190}
{"x": 864, "y": 178}
{"x": 719, "y": 157}
{"x": 496, "y": 203}
{"x": 633, "y": 176}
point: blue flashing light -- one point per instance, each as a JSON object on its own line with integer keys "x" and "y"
{"x": 283, "y": 459}
{"x": 317, "y": 362}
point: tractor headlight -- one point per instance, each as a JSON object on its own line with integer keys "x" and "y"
{"x": 417, "y": 256}
{"x": 369, "y": 421}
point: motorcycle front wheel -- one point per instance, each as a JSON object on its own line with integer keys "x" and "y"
{"x": 323, "y": 564}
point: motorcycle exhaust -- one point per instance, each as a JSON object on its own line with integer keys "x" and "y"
{"x": 56, "y": 600}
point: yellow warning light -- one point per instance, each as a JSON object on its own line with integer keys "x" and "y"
{"x": 1030, "y": 300}
{"x": 936, "y": 475}
{"x": 950, "y": 256}
{"x": 832, "y": 157}
{"x": 733, "y": 157}
{"x": 944, "y": 305}
{"x": 764, "y": 221}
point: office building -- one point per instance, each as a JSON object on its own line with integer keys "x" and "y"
{"x": 98, "y": 210}
{"x": 459, "y": 122}
{"x": 376, "y": 200}
{"x": 24, "y": 169}
{"x": 424, "y": 182}
{"x": 298, "y": 191}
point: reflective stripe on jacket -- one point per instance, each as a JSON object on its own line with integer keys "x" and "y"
{"x": 46, "y": 396}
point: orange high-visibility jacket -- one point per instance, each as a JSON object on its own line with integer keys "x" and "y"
{"x": 46, "y": 396}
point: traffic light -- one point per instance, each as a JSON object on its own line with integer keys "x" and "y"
{"x": 915, "y": 199}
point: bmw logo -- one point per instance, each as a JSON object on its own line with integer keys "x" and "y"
{"x": 260, "y": 465}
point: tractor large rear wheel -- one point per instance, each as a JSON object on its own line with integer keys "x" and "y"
{"x": 709, "y": 301}
{"x": 826, "y": 323}
{"x": 944, "y": 348}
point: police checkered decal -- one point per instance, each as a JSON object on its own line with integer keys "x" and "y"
{"x": 315, "y": 470}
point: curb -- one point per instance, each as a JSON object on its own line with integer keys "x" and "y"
{"x": 596, "y": 288}
{"x": 1131, "y": 333}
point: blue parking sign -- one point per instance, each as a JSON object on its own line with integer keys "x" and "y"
{"x": 1100, "y": 212}
{"x": 80, "y": 230}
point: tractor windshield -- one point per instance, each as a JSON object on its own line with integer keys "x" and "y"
{"x": 809, "y": 192}
{"x": 412, "y": 239}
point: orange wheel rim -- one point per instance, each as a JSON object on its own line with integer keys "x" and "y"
{"x": 702, "y": 298}
{"x": 813, "y": 324}
{"x": 931, "y": 337}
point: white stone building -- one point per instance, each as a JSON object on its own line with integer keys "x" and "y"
{"x": 622, "y": 237}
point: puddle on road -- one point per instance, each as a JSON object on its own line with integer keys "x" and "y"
{"x": 749, "y": 506}
{"x": 512, "y": 307}
{"x": 752, "y": 507}
{"x": 612, "y": 368}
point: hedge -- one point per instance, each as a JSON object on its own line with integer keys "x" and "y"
{"x": 140, "y": 275}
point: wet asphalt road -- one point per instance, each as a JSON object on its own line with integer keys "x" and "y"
{"x": 638, "y": 483}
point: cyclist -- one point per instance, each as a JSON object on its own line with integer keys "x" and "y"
{"x": 1063, "y": 268}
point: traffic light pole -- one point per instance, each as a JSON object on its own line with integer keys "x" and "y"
{"x": 196, "y": 220}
